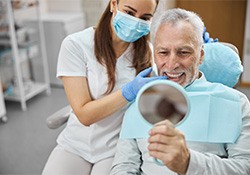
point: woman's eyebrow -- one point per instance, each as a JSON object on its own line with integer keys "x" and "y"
{"x": 131, "y": 8}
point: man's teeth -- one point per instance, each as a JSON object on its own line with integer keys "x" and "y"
{"x": 174, "y": 75}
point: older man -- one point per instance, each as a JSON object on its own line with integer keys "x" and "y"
{"x": 178, "y": 52}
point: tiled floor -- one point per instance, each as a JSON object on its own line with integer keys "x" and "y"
{"x": 25, "y": 140}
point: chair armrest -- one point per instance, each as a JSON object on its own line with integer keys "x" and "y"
{"x": 58, "y": 118}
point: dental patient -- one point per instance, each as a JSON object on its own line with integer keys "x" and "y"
{"x": 216, "y": 146}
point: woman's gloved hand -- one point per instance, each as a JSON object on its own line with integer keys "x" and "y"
{"x": 130, "y": 90}
{"x": 206, "y": 37}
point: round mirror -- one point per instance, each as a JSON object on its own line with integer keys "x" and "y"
{"x": 163, "y": 99}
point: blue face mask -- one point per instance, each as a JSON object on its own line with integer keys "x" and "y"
{"x": 129, "y": 28}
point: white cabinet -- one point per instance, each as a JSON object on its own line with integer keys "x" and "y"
{"x": 57, "y": 25}
{"x": 23, "y": 50}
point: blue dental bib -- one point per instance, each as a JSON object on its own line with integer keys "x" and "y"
{"x": 214, "y": 116}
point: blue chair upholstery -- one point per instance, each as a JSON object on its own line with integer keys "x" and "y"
{"x": 221, "y": 64}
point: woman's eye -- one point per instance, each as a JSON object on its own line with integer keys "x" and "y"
{"x": 129, "y": 12}
{"x": 146, "y": 18}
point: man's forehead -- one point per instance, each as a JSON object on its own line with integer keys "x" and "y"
{"x": 175, "y": 40}
{"x": 180, "y": 27}
{"x": 169, "y": 34}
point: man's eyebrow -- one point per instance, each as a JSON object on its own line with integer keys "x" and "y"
{"x": 185, "y": 47}
{"x": 131, "y": 8}
{"x": 160, "y": 48}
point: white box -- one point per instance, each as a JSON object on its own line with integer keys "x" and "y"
{"x": 65, "y": 5}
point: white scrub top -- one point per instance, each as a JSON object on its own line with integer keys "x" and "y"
{"x": 77, "y": 58}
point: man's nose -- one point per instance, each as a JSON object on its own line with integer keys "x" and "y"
{"x": 172, "y": 62}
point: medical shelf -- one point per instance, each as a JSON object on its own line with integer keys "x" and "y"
{"x": 31, "y": 91}
{"x": 27, "y": 52}
{"x": 21, "y": 45}
{"x": 5, "y": 39}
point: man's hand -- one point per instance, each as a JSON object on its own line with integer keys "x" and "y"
{"x": 168, "y": 144}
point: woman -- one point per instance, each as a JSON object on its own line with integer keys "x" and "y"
{"x": 97, "y": 67}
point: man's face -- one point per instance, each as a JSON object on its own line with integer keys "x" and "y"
{"x": 177, "y": 53}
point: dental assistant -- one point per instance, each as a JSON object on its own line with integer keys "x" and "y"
{"x": 102, "y": 69}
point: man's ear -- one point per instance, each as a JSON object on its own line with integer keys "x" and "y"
{"x": 113, "y": 5}
{"x": 202, "y": 54}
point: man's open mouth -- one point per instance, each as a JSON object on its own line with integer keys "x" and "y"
{"x": 173, "y": 75}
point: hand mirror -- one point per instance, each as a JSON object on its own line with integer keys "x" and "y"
{"x": 160, "y": 100}
{"x": 163, "y": 99}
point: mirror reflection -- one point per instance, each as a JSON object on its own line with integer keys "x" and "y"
{"x": 163, "y": 101}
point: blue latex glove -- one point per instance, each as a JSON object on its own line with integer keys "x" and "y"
{"x": 206, "y": 37}
{"x": 130, "y": 90}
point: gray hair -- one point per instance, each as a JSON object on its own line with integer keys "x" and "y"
{"x": 176, "y": 15}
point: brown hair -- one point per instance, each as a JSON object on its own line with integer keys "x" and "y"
{"x": 105, "y": 54}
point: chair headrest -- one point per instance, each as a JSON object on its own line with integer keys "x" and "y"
{"x": 221, "y": 64}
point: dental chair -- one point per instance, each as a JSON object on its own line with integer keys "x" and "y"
{"x": 221, "y": 64}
